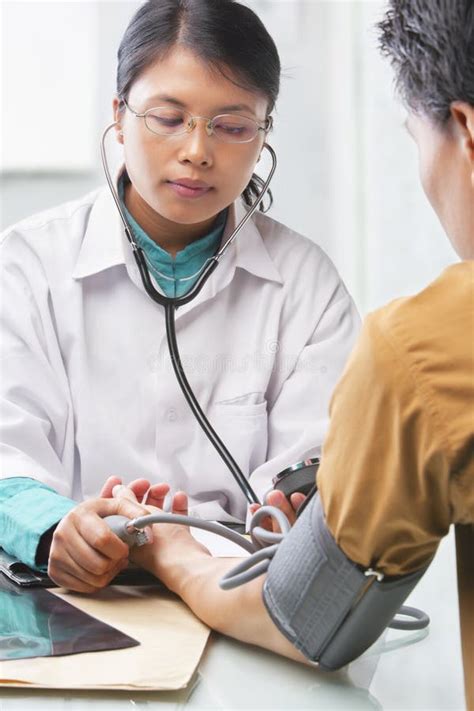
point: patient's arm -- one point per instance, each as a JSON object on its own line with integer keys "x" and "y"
{"x": 238, "y": 613}
{"x": 187, "y": 568}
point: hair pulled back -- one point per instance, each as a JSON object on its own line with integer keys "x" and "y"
{"x": 223, "y": 33}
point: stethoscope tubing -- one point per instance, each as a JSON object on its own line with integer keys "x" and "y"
{"x": 201, "y": 418}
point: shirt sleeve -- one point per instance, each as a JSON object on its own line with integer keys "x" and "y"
{"x": 383, "y": 457}
{"x": 27, "y": 510}
{"x": 36, "y": 422}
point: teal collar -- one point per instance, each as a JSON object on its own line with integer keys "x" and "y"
{"x": 175, "y": 275}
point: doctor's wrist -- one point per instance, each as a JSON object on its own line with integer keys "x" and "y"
{"x": 44, "y": 547}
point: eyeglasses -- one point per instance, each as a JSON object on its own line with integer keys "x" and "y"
{"x": 229, "y": 128}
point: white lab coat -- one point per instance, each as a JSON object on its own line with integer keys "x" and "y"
{"x": 87, "y": 389}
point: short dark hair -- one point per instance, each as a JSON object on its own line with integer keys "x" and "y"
{"x": 431, "y": 46}
{"x": 224, "y": 33}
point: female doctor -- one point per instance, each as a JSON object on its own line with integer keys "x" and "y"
{"x": 87, "y": 385}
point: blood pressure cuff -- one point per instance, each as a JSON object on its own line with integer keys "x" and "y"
{"x": 331, "y": 609}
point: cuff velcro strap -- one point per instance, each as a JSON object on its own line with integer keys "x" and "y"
{"x": 326, "y": 605}
{"x": 311, "y": 585}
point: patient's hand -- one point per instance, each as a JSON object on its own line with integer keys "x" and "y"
{"x": 288, "y": 507}
{"x": 173, "y": 547}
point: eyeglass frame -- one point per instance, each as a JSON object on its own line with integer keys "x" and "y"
{"x": 210, "y": 123}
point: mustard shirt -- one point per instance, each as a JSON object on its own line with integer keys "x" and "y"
{"x": 398, "y": 463}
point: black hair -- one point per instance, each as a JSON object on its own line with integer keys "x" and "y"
{"x": 431, "y": 46}
{"x": 224, "y": 33}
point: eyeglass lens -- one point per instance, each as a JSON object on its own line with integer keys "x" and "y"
{"x": 230, "y": 128}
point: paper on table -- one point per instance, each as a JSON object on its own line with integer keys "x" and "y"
{"x": 172, "y": 641}
{"x": 218, "y": 546}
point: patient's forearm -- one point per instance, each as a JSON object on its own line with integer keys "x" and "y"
{"x": 238, "y": 613}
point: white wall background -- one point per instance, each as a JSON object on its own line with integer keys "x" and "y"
{"x": 347, "y": 175}
{"x": 49, "y": 85}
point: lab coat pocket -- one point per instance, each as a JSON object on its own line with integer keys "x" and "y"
{"x": 243, "y": 427}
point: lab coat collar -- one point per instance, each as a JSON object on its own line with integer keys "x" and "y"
{"x": 248, "y": 250}
{"x": 105, "y": 245}
{"x": 102, "y": 244}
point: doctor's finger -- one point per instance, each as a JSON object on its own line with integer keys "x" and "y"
{"x": 179, "y": 504}
{"x": 95, "y": 532}
{"x": 266, "y": 522}
{"x": 83, "y": 555}
{"x": 140, "y": 487}
{"x": 297, "y": 499}
{"x": 68, "y": 581}
{"x": 279, "y": 500}
{"x": 96, "y": 582}
{"x": 84, "y": 526}
{"x": 66, "y": 571}
{"x": 124, "y": 504}
{"x": 124, "y": 492}
{"x": 156, "y": 495}
{"x": 106, "y": 491}
{"x": 68, "y": 558}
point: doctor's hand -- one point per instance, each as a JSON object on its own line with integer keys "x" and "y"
{"x": 85, "y": 554}
{"x": 146, "y": 493}
{"x": 171, "y": 554}
{"x": 288, "y": 507}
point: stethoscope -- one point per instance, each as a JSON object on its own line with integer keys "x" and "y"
{"x": 172, "y": 304}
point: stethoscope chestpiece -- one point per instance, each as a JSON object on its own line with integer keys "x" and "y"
{"x": 299, "y": 477}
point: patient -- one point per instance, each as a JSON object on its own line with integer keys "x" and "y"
{"x": 390, "y": 489}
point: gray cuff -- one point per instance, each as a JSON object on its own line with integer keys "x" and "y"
{"x": 311, "y": 585}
